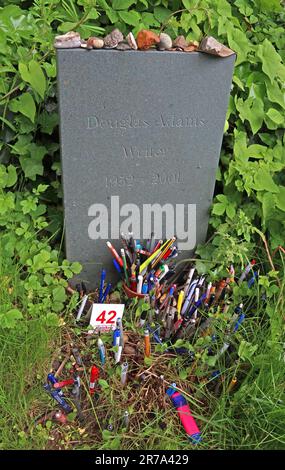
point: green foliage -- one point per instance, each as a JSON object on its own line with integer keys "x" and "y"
{"x": 27, "y": 259}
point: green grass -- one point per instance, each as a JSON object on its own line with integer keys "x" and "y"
{"x": 25, "y": 355}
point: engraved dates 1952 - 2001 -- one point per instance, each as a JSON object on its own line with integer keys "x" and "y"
{"x": 128, "y": 181}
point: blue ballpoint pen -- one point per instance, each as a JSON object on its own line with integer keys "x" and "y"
{"x": 196, "y": 306}
{"x": 102, "y": 280}
{"x": 52, "y": 379}
{"x": 106, "y": 292}
{"x": 188, "y": 299}
{"x": 117, "y": 266}
{"x": 252, "y": 279}
{"x": 239, "y": 321}
{"x": 58, "y": 398}
{"x": 116, "y": 337}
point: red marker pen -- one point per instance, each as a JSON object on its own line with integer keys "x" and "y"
{"x": 94, "y": 375}
{"x": 64, "y": 383}
{"x": 186, "y": 418}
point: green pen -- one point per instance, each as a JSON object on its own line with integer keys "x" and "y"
{"x": 125, "y": 266}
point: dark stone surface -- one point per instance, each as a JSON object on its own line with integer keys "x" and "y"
{"x": 116, "y": 108}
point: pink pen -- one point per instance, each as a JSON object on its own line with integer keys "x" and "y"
{"x": 185, "y": 415}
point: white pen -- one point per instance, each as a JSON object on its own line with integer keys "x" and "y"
{"x": 196, "y": 298}
{"x": 124, "y": 373}
{"x": 80, "y": 311}
{"x": 188, "y": 281}
{"x": 118, "y": 354}
{"x": 189, "y": 297}
{"x": 140, "y": 283}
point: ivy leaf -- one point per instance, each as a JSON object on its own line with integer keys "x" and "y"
{"x": 269, "y": 5}
{"x": 25, "y": 105}
{"x": 275, "y": 116}
{"x": 219, "y": 208}
{"x": 264, "y": 181}
{"x": 33, "y": 74}
{"x": 76, "y": 267}
{"x": 161, "y": 14}
{"x": 280, "y": 198}
{"x": 252, "y": 110}
{"x": 8, "y": 176}
{"x": 271, "y": 61}
{"x": 239, "y": 43}
{"x": 149, "y": 20}
{"x": 268, "y": 204}
{"x": 130, "y": 17}
{"x": 32, "y": 165}
{"x": 275, "y": 94}
{"x": 122, "y": 4}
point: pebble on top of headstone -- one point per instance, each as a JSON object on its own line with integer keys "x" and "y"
{"x": 211, "y": 46}
{"x": 146, "y": 39}
{"x": 165, "y": 42}
{"x": 70, "y": 39}
{"x": 95, "y": 43}
{"x": 131, "y": 41}
{"x": 180, "y": 42}
{"x": 113, "y": 39}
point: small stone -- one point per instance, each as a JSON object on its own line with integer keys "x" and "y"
{"x": 83, "y": 44}
{"x": 146, "y": 39}
{"x": 165, "y": 42}
{"x": 180, "y": 42}
{"x": 131, "y": 41}
{"x": 123, "y": 46}
{"x": 192, "y": 46}
{"x": 211, "y": 46}
{"x": 113, "y": 39}
{"x": 95, "y": 43}
{"x": 68, "y": 40}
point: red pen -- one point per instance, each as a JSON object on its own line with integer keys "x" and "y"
{"x": 94, "y": 375}
{"x": 168, "y": 253}
{"x": 115, "y": 254}
{"x": 64, "y": 383}
{"x": 133, "y": 282}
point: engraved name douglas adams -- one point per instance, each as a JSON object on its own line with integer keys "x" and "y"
{"x": 132, "y": 122}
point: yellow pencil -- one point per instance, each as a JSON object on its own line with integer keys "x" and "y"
{"x": 179, "y": 303}
{"x": 149, "y": 260}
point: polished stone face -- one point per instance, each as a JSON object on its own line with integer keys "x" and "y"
{"x": 137, "y": 129}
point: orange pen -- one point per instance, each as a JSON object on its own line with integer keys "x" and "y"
{"x": 146, "y": 343}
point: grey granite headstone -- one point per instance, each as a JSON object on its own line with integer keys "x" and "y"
{"x": 146, "y": 127}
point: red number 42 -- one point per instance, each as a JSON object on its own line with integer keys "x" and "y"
{"x": 102, "y": 317}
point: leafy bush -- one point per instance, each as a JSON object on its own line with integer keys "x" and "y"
{"x": 32, "y": 274}
{"x": 253, "y": 156}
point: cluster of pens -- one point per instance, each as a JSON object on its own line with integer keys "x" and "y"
{"x": 181, "y": 307}
{"x": 102, "y": 295}
{"x": 54, "y": 387}
{"x": 140, "y": 264}
{"x": 179, "y": 304}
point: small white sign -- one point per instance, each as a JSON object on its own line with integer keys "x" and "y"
{"x": 104, "y": 316}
